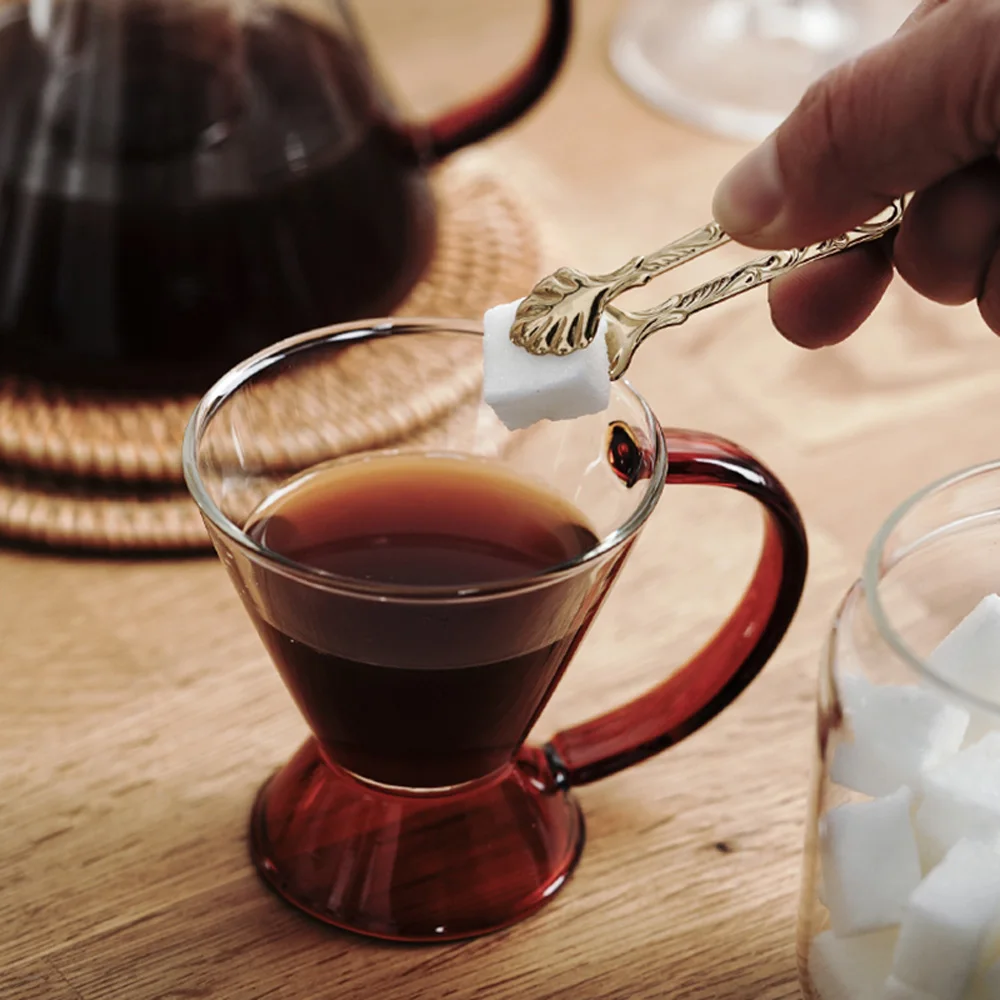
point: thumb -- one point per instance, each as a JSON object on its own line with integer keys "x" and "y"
{"x": 899, "y": 118}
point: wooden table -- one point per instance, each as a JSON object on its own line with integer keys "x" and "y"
{"x": 139, "y": 712}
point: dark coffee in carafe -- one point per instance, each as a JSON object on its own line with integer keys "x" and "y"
{"x": 180, "y": 187}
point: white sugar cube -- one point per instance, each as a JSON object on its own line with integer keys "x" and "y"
{"x": 946, "y": 921}
{"x": 870, "y": 863}
{"x": 970, "y": 654}
{"x": 524, "y": 388}
{"x": 969, "y": 658}
{"x": 961, "y": 798}
{"x": 897, "y": 731}
{"x": 854, "y": 690}
{"x": 895, "y": 990}
{"x": 851, "y": 968}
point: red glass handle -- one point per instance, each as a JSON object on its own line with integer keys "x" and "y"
{"x": 716, "y": 675}
{"x": 495, "y": 110}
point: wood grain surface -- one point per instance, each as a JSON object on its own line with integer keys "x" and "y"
{"x": 139, "y": 713}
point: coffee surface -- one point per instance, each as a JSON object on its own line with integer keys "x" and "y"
{"x": 421, "y": 692}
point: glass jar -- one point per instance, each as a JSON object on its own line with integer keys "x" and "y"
{"x": 901, "y": 882}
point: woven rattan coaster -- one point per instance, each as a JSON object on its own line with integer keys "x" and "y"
{"x": 95, "y": 516}
{"x": 87, "y": 471}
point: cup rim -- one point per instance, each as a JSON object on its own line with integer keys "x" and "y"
{"x": 875, "y": 563}
{"x": 237, "y": 376}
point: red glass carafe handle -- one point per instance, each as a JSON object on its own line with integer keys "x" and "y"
{"x": 723, "y": 668}
{"x": 495, "y": 110}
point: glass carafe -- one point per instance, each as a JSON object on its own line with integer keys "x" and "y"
{"x": 183, "y": 182}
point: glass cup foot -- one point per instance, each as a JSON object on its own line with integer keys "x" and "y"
{"x": 414, "y": 867}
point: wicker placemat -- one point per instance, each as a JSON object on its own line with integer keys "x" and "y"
{"x": 90, "y": 515}
{"x": 87, "y": 471}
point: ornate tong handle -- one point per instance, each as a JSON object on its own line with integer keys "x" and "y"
{"x": 562, "y": 313}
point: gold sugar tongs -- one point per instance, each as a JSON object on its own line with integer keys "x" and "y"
{"x": 562, "y": 312}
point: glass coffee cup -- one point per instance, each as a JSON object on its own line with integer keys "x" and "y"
{"x": 415, "y": 810}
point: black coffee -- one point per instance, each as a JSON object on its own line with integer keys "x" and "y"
{"x": 178, "y": 190}
{"x": 422, "y": 693}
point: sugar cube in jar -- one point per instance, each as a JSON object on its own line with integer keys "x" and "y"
{"x": 902, "y": 887}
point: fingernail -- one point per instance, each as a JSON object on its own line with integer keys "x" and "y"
{"x": 751, "y": 195}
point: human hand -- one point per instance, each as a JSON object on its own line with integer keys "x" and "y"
{"x": 919, "y": 113}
